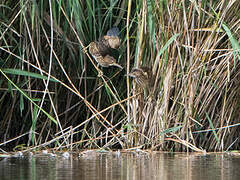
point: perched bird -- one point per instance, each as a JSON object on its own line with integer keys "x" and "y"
{"x": 142, "y": 76}
{"x": 101, "y": 49}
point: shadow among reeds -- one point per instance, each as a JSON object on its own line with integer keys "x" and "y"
{"x": 54, "y": 94}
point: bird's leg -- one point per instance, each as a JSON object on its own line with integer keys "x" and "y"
{"x": 91, "y": 46}
{"x": 100, "y": 73}
{"x": 145, "y": 92}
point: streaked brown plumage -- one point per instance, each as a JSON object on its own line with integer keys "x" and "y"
{"x": 101, "y": 49}
{"x": 142, "y": 76}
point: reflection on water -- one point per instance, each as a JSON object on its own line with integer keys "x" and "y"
{"x": 124, "y": 166}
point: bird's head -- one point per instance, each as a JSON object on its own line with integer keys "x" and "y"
{"x": 141, "y": 75}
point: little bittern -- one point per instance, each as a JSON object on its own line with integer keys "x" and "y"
{"x": 101, "y": 49}
{"x": 142, "y": 76}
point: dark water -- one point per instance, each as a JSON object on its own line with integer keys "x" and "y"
{"x": 123, "y": 166}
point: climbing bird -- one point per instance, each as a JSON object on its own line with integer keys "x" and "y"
{"x": 101, "y": 49}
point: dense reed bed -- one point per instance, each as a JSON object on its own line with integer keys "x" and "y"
{"x": 52, "y": 95}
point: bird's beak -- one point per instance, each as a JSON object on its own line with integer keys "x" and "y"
{"x": 115, "y": 64}
{"x": 130, "y": 75}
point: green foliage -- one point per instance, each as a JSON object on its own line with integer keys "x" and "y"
{"x": 26, "y": 73}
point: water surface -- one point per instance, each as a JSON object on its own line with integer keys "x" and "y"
{"x": 116, "y": 166}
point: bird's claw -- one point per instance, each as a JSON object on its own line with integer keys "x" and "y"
{"x": 100, "y": 73}
{"x": 85, "y": 50}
